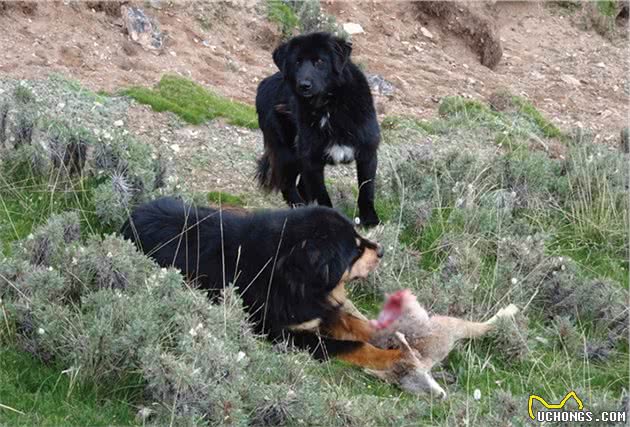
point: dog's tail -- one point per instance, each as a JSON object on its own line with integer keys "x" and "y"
{"x": 264, "y": 173}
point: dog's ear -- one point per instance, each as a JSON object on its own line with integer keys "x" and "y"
{"x": 311, "y": 267}
{"x": 341, "y": 53}
{"x": 280, "y": 56}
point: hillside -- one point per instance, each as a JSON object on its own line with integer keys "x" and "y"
{"x": 576, "y": 77}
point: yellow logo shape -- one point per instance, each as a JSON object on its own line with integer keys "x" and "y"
{"x": 560, "y": 405}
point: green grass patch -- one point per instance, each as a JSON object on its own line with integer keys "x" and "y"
{"x": 193, "y": 103}
{"x": 397, "y": 122}
{"x": 222, "y": 198}
{"x": 528, "y": 110}
{"x": 607, "y": 7}
{"x": 28, "y": 202}
{"x": 428, "y": 242}
{"x": 23, "y": 95}
{"x": 35, "y": 394}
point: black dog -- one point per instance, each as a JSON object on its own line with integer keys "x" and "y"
{"x": 290, "y": 268}
{"x": 317, "y": 110}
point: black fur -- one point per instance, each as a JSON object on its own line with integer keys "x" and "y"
{"x": 288, "y": 260}
{"x": 317, "y": 100}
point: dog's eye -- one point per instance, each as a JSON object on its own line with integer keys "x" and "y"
{"x": 319, "y": 62}
{"x": 298, "y": 62}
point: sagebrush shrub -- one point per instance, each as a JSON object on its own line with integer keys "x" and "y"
{"x": 106, "y": 312}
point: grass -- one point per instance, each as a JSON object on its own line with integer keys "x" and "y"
{"x": 516, "y": 123}
{"x": 306, "y": 16}
{"x": 607, "y": 7}
{"x": 29, "y": 200}
{"x": 222, "y": 198}
{"x": 193, "y": 103}
{"x": 280, "y": 13}
{"x": 576, "y": 203}
{"x": 34, "y": 394}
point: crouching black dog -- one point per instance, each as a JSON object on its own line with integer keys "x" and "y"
{"x": 317, "y": 110}
{"x": 290, "y": 268}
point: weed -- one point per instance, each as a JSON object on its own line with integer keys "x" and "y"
{"x": 23, "y": 95}
{"x": 305, "y": 15}
{"x": 607, "y": 7}
{"x": 221, "y": 198}
{"x": 193, "y": 103}
{"x": 24, "y": 125}
{"x": 4, "y": 114}
{"x": 280, "y": 13}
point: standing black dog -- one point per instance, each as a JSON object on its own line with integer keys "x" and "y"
{"x": 317, "y": 110}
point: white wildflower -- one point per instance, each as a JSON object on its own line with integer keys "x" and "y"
{"x": 240, "y": 356}
{"x": 477, "y": 394}
{"x": 513, "y": 280}
{"x": 109, "y": 255}
{"x": 41, "y": 331}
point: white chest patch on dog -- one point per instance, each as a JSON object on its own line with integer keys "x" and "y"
{"x": 340, "y": 153}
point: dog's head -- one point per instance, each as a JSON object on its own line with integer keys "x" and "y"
{"x": 325, "y": 250}
{"x": 313, "y": 63}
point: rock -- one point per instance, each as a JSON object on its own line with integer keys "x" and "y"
{"x": 141, "y": 28}
{"x": 567, "y": 78}
{"x": 353, "y": 28}
{"x": 600, "y": 65}
{"x": 119, "y": 123}
{"x": 624, "y": 144}
{"x": 426, "y": 33}
{"x": 380, "y": 86}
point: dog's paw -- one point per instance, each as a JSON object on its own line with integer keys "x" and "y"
{"x": 369, "y": 220}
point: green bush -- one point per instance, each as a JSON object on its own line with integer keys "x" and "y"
{"x": 279, "y": 12}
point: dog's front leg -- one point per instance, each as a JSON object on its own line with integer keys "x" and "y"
{"x": 366, "y": 176}
{"x": 314, "y": 184}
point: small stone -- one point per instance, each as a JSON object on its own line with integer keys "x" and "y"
{"x": 567, "y": 78}
{"x": 175, "y": 148}
{"x": 600, "y": 65}
{"x": 426, "y": 33}
{"x": 477, "y": 394}
{"x": 380, "y": 86}
{"x": 353, "y": 28}
{"x": 119, "y": 123}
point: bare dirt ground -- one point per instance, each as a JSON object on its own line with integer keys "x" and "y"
{"x": 577, "y": 77}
